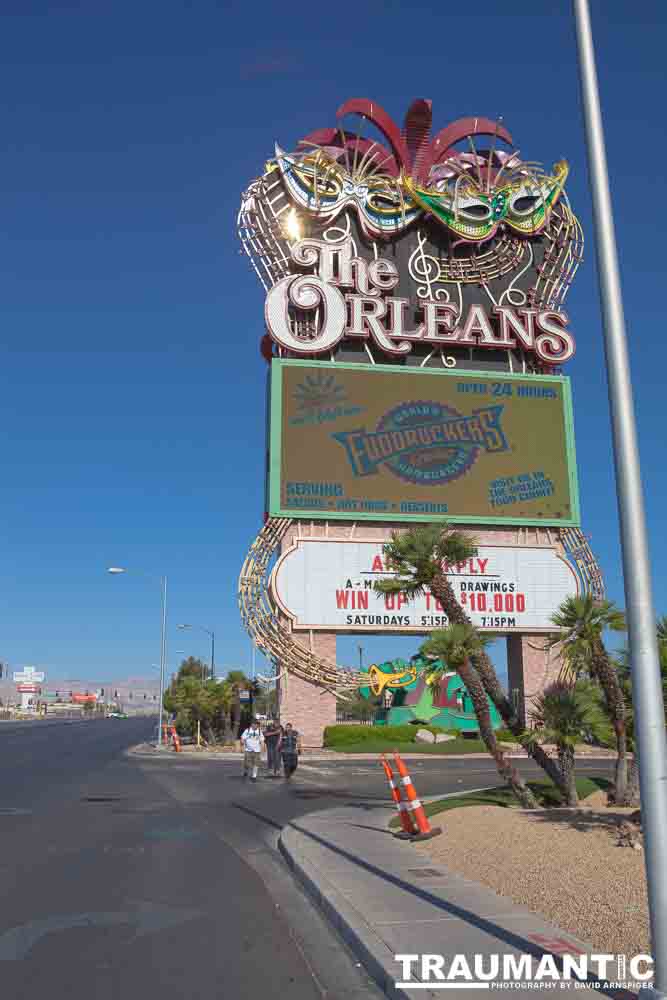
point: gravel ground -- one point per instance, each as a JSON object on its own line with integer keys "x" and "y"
{"x": 563, "y": 864}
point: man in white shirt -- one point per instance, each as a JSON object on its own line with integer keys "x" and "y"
{"x": 252, "y": 741}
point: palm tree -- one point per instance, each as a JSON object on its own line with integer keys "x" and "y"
{"x": 454, "y": 647}
{"x": 419, "y": 558}
{"x": 582, "y": 621}
{"x": 566, "y": 714}
{"x": 661, "y": 629}
{"x": 625, "y": 677}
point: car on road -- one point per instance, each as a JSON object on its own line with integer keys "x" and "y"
{"x": 118, "y": 715}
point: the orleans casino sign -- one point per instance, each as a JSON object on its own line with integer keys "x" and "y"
{"x": 415, "y": 282}
{"x": 448, "y": 251}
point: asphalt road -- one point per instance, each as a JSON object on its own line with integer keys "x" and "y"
{"x": 159, "y": 878}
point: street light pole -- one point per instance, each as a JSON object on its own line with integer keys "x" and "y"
{"x": 209, "y": 632}
{"x": 646, "y": 682}
{"x": 163, "y": 654}
{"x": 115, "y": 570}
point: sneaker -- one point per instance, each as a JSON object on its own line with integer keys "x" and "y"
{"x": 245, "y": 774}
{"x": 253, "y": 779}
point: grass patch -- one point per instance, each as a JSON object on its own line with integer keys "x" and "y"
{"x": 545, "y": 792}
{"x": 388, "y": 746}
{"x": 384, "y": 739}
{"x": 337, "y": 737}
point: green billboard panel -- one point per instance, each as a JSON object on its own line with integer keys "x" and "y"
{"x": 404, "y": 444}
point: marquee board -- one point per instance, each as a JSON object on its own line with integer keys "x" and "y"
{"x": 400, "y": 444}
{"x": 327, "y": 584}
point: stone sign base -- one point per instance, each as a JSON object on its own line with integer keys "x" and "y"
{"x": 309, "y": 707}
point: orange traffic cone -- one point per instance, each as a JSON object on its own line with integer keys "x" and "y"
{"x": 409, "y": 828}
{"x": 426, "y": 831}
{"x": 176, "y": 741}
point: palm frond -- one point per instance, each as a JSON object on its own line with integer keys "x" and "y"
{"x": 661, "y": 629}
{"x": 454, "y": 644}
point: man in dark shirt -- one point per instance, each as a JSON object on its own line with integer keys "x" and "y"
{"x": 290, "y": 747}
{"x": 272, "y": 735}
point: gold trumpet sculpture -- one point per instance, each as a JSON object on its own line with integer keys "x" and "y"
{"x": 378, "y": 680}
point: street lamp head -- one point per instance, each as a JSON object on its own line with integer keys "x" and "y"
{"x": 116, "y": 569}
{"x": 184, "y": 626}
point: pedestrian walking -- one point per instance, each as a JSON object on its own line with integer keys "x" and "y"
{"x": 252, "y": 740}
{"x": 290, "y": 748}
{"x": 272, "y": 735}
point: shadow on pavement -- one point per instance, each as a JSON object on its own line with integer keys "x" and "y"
{"x": 481, "y": 923}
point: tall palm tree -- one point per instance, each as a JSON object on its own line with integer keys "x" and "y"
{"x": 454, "y": 647}
{"x": 582, "y": 621}
{"x": 566, "y": 713}
{"x": 419, "y": 558}
{"x": 625, "y": 677}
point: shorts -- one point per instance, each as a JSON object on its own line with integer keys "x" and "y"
{"x": 251, "y": 758}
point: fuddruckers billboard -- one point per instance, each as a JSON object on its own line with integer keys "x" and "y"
{"x": 350, "y": 441}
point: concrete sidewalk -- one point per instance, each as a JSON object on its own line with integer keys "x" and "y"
{"x": 386, "y": 899}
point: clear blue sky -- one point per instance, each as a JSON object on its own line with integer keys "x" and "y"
{"x": 132, "y": 393}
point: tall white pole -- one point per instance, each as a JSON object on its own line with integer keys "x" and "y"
{"x": 163, "y": 653}
{"x": 646, "y": 680}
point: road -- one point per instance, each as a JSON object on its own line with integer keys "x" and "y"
{"x": 158, "y": 879}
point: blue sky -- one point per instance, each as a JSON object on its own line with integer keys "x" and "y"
{"x": 133, "y": 387}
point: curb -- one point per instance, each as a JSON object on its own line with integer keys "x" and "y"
{"x": 335, "y": 758}
{"x": 350, "y": 925}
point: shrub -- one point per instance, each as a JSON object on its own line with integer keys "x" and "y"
{"x": 342, "y": 735}
{"x": 505, "y": 736}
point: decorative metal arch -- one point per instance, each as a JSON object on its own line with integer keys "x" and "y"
{"x": 262, "y": 622}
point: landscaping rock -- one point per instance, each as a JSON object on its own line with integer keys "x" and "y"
{"x": 424, "y": 736}
{"x": 628, "y": 836}
{"x": 444, "y": 738}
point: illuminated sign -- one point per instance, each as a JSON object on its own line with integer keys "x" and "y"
{"x": 368, "y": 313}
{"x": 328, "y": 584}
{"x": 401, "y": 444}
{"x": 446, "y": 247}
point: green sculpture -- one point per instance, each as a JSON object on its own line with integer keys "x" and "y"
{"x": 412, "y": 697}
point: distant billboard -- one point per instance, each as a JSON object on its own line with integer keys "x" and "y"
{"x": 400, "y": 444}
{"x": 327, "y": 584}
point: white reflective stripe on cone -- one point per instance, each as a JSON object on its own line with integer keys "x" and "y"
{"x": 407, "y": 780}
{"x": 415, "y": 804}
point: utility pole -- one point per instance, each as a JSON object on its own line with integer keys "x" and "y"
{"x": 163, "y": 654}
{"x": 646, "y": 681}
